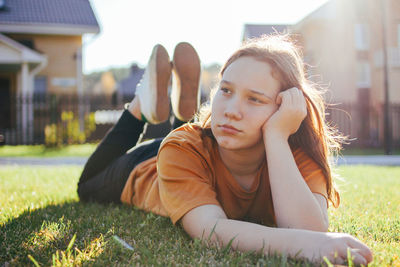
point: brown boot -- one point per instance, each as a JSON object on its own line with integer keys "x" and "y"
{"x": 185, "y": 95}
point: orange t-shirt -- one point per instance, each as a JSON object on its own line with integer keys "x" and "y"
{"x": 188, "y": 172}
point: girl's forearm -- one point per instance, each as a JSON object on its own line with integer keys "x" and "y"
{"x": 294, "y": 204}
{"x": 209, "y": 222}
{"x": 247, "y": 236}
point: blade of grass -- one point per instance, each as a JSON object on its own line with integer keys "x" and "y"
{"x": 34, "y": 261}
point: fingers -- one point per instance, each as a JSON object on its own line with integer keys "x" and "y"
{"x": 346, "y": 249}
{"x": 338, "y": 261}
{"x": 357, "y": 258}
{"x": 279, "y": 99}
{"x": 342, "y": 257}
{"x": 359, "y": 252}
{"x": 291, "y": 112}
{"x": 292, "y": 98}
{"x": 360, "y": 247}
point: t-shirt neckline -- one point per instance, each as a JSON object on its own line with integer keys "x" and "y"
{"x": 232, "y": 182}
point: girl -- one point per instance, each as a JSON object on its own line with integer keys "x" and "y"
{"x": 254, "y": 168}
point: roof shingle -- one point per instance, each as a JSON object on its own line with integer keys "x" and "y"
{"x": 65, "y": 12}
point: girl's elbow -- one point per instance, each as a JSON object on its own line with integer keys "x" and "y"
{"x": 325, "y": 225}
{"x": 321, "y": 226}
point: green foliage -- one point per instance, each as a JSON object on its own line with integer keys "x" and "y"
{"x": 42, "y": 221}
{"x": 68, "y": 130}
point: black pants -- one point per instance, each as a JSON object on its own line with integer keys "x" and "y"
{"x": 107, "y": 169}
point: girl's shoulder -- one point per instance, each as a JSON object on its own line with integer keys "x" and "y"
{"x": 188, "y": 135}
{"x": 187, "y": 141}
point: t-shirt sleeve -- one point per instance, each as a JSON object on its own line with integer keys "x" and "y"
{"x": 312, "y": 173}
{"x": 185, "y": 180}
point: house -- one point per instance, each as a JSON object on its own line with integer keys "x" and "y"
{"x": 127, "y": 87}
{"x": 40, "y": 54}
{"x": 257, "y": 30}
{"x": 342, "y": 42}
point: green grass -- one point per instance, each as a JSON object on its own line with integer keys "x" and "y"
{"x": 42, "y": 221}
{"x": 84, "y": 150}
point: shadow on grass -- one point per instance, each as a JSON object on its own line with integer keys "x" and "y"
{"x": 42, "y": 232}
{"x": 46, "y": 233}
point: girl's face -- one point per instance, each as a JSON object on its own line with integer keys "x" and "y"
{"x": 243, "y": 103}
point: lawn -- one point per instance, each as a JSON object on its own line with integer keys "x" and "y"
{"x": 42, "y": 221}
{"x": 85, "y": 150}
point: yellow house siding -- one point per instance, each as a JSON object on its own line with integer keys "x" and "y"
{"x": 61, "y": 54}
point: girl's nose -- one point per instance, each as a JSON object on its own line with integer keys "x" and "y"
{"x": 232, "y": 110}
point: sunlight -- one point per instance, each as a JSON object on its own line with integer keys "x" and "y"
{"x": 130, "y": 29}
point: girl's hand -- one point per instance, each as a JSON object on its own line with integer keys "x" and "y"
{"x": 335, "y": 247}
{"x": 291, "y": 112}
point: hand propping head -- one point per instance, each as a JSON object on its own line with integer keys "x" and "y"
{"x": 291, "y": 112}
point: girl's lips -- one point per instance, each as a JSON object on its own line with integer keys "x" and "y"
{"x": 229, "y": 129}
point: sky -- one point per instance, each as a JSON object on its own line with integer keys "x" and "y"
{"x": 130, "y": 28}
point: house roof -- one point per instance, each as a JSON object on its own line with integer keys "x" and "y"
{"x": 127, "y": 86}
{"x": 48, "y": 16}
{"x": 257, "y": 30}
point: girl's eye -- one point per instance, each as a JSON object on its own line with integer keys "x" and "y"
{"x": 225, "y": 90}
{"x": 255, "y": 100}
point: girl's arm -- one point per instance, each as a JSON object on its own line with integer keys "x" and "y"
{"x": 209, "y": 222}
{"x": 295, "y": 205}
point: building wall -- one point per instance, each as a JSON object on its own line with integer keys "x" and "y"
{"x": 330, "y": 46}
{"x": 340, "y": 56}
{"x": 394, "y": 42}
{"x": 63, "y": 58}
{"x": 324, "y": 47}
{"x": 392, "y": 20}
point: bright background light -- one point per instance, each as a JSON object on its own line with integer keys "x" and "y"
{"x": 130, "y": 28}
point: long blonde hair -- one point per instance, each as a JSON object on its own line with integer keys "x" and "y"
{"x": 315, "y": 137}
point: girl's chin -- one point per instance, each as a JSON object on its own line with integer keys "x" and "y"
{"x": 230, "y": 143}
{"x": 227, "y": 143}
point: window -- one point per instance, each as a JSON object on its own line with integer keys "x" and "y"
{"x": 40, "y": 88}
{"x": 361, "y": 35}
{"x": 398, "y": 35}
{"x": 363, "y": 74}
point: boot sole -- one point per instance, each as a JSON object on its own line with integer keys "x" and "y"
{"x": 163, "y": 70}
{"x": 187, "y": 72}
